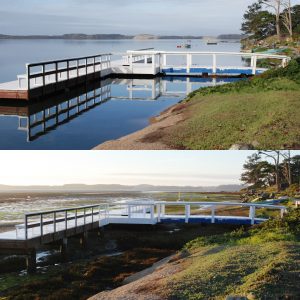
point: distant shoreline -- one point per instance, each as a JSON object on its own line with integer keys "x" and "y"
{"x": 113, "y": 37}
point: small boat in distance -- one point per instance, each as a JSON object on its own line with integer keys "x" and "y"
{"x": 211, "y": 43}
{"x": 187, "y": 45}
{"x": 210, "y": 40}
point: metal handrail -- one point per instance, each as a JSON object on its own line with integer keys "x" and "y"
{"x": 48, "y": 62}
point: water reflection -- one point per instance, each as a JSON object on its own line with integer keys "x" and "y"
{"x": 41, "y": 117}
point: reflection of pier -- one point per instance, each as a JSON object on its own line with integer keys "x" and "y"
{"x": 157, "y": 87}
{"x": 39, "y": 118}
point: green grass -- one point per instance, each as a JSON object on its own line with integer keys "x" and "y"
{"x": 263, "y": 262}
{"x": 263, "y": 112}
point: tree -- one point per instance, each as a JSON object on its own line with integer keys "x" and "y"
{"x": 295, "y": 169}
{"x": 283, "y": 172}
{"x": 295, "y": 11}
{"x": 287, "y": 19}
{"x": 286, "y": 167}
{"x": 258, "y": 23}
{"x": 276, "y": 6}
{"x": 275, "y": 155}
{"x": 258, "y": 173}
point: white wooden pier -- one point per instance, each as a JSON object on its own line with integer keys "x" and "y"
{"x": 41, "y": 224}
{"x": 50, "y": 76}
{"x": 56, "y": 226}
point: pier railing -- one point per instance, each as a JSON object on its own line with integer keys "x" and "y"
{"x": 160, "y": 58}
{"x": 54, "y": 71}
{"x": 45, "y": 222}
{"x": 38, "y": 224}
{"x": 212, "y": 207}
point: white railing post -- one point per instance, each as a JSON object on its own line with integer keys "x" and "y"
{"x": 252, "y": 214}
{"x": 282, "y": 212}
{"x": 187, "y": 213}
{"x": 214, "y": 67}
{"x": 158, "y": 210}
{"x": 188, "y": 62}
{"x": 152, "y": 212}
{"x": 164, "y": 60}
{"x": 131, "y": 62}
{"x": 26, "y": 227}
{"x": 28, "y": 76}
{"x": 54, "y": 222}
{"x": 254, "y": 64}
{"x": 213, "y": 214}
{"x": 129, "y": 212}
{"x": 153, "y": 64}
{"x": 41, "y": 224}
{"x": 163, "y": 210}
{"x": 66, "y": 220}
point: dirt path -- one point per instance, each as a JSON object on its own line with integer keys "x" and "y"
{"x": 149, "y": 137}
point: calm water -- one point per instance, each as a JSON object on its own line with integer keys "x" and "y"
{"x": 108, "y": 111}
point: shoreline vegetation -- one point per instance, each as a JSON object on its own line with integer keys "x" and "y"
{"x": 258, "y": 263}
{"x": 259, "y": 113}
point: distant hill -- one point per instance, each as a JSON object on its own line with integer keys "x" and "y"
{"x": 81, "y": 36}
{"x": 145, "y": 37}
{"x": 231, "y": 37}
{"x": 118, "y": 188}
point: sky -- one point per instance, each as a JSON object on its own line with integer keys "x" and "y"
{"x": 196, "y": 17}
{"x": 179, "y": 168}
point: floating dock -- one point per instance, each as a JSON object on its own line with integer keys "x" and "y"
{"x": 56, "y": 226}
{"x": 49, "y": 77}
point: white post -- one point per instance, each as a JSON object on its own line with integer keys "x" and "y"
{"x": 152, "y": 212}
{"x": 213, "y": 214}
{"x": 254, "y": 65}
{"x": 153, "y": 64}
{"x": 131, "y": 62}
{"x": 129, "y": 212}
{"x": 252, "y": 214}
{"x": 252, "y": 61}
{"x": 282, "y": 211}
{"x": 214, "y": 68}
{"x": 284, "y": 62}
{"x": 26, "y": 227}
{"x": 164, "y": 62}
{"x": 158, "y": 209}
{"x": 187, "y": 213}
{"x": 188, "y": 63}
{"x": 163, "y": 210}
{"x": 145, "y": 59}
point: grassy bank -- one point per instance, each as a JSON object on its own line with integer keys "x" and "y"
{"x": 262, "y": 112}
{"x": 262, "y": 263}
